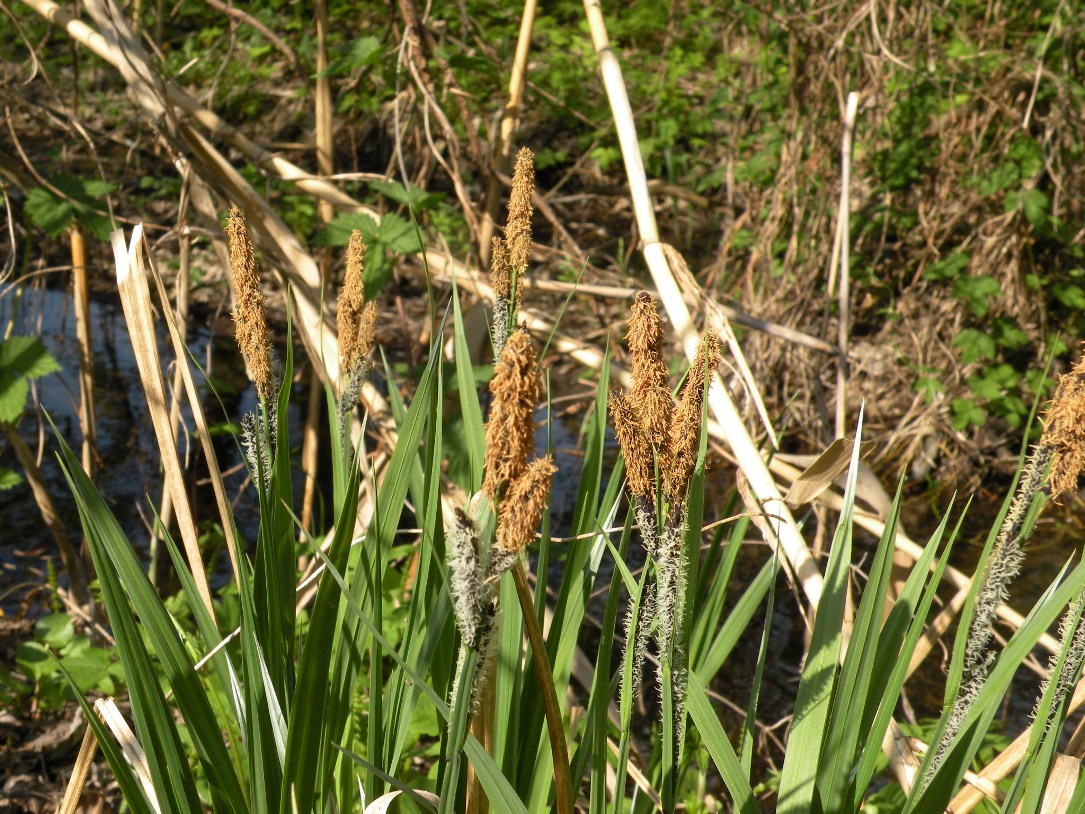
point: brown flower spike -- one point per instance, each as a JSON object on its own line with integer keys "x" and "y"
{"x": 1064, "y": 431}
{"x": 510, "y": 434}
{"x": 522, "y": 505}
{"x": 518, "y": 228}
{"x": 635, "y": 449}
{"x": 650, "y": 391}
{"x": 355, "y": 318}
{"x": 500, "y": 272}
{"x": 250, "y": 312}
{"x": 685, "y": 432}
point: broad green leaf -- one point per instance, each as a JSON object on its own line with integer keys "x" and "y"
{"x": 27, "y": 356}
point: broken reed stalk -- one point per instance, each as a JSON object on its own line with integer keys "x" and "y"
{"x": 563, "y": 787}
{"x": 181, "y": 319}
{"x": 325, "y": 165}
{"x": 510, "y": 118}
{"x": 81, "y": 299}
{"x": 843, "y": 235}
{"x": 139, "y": 318}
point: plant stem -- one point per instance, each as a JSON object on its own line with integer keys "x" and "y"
{"x": 563, "y": 785}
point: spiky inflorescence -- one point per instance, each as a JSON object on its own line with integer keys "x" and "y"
{"x": 522, "y": 505}
{"x": 510, "y": 433}
{"x": 466, "y": 583}
{"x": 1003, "y": 566}
{"x": 685, "y": 431}
{"x": 634, "y": 444}
{"x": 518, "y": 228}
{"x": 250, "y": 312}
{"x": 650, "y": 391}
{"x": 501, "y": 279}
{"x": 1064, "y": 431}
{"x": 1072, "y": 637}
{"x": 355, "y": 318}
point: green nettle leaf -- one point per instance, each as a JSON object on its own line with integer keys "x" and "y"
{"x": 363, "y": 51}
{"x": 966, "y": 413}
{"x": 21, "y": 358}
{"x": 49, "y": 213}
{"x": 978, "y": 291}
{"x": 948, "y": 267}
{"x": 418, "y": 199}
{"x": 27, "y": 356}
{"x": 337, "y": 233}
{"x": 974, "y": 345}
{"x": 79, "y": 200}
{"x": 9, "y": 479}
{"x": 13, "y": 393}
{"x": 1032, "y": 202}
{"x": 54, "y": 630}
{"x": 398, "y": 235}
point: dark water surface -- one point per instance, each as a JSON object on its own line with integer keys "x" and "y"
{"x": 127, "y": 468}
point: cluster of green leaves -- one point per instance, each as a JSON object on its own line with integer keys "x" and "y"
{"x": 47, "y": 662}
{"x": 999, "y": 387}
{"x": 22, "y": 359}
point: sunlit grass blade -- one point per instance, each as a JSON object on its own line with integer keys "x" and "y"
{"x": 746, "y": 746}
{"x": 900, "y": 634}
{"x": 723, "y": 754}
{"x": 470, "y": 410}
{"x": 798, "y": 781}
{"x": 496, "y": 785}
{"x": 961, "y": 749}
{"x": 155, "y": 726}
{"x": 1031, "y": 777}
{"x": 307, "y": 765}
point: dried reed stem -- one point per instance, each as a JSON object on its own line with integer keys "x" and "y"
{"x": 250, "y": 312}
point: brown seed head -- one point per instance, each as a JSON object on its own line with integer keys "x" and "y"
{"x": 650, "y": 391}
{"x": 518, "y": 228}
{"x": 685, "y": 435}
{"x": 1064, "y": 431}
{"x": 250, "y": 313}
{"x": 510, "y": 434}
{"x": 521, "y": 507}
{"x": 635, "y": 448}
{"x": 500, "y": 272}
{"x": 354, "y": 318}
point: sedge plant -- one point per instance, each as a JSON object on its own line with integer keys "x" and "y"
{"x": 419, "y": 660}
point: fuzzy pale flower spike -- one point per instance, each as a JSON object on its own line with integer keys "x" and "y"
{"x": 250, "y": 312}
